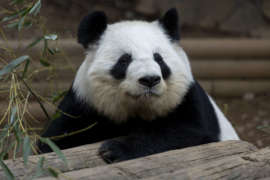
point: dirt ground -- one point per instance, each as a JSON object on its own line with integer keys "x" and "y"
{"x": 250, "y": 116}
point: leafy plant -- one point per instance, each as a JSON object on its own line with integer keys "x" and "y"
{"x": 17, "y": 135}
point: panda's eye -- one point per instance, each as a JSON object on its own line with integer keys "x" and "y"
{"x": 165, "y": 70}
{"x": 118, "y": 71}
{"x": 158, "y": 58}
{"x": 125, "y": 59}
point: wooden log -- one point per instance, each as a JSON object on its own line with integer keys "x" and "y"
{"x": 250, "y": 166}
{"x": 238, "y": 88}
{"x": 231, "y": 69}
{"x": 78, "y": 158}
{"x": 226, "y": 48}
{"x": 203, "y": 48}
{"x": 166, "y": 162}
{"x": 86, "y": 157}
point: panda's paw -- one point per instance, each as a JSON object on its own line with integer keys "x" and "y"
{"x": 113, "y": 151}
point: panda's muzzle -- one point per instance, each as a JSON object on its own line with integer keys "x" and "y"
{"x": 149, "y": 81}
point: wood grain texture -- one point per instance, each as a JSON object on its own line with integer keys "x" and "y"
{"x": 203, "y": 48}
{"x": 249, "y": 166}
{"x": 166, "y": 162}
{"x": 78, "y": 158}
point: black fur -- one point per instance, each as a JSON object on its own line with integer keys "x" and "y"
{"x": 165, "y": 70}
{"x": 91, "y": 28}
{"x": 119, "y": 70}
{"x": 170, "y": 23}
{"x": 193, "y": 122}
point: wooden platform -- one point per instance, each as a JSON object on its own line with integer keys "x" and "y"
{"x": 223, "y": 160}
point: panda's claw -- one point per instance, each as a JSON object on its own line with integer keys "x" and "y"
{"x": 112, "y": 151}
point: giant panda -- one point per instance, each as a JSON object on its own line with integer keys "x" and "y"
{"x": 135, "y": 84}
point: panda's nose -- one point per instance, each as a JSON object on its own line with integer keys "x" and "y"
{"x": 149, "y": 81}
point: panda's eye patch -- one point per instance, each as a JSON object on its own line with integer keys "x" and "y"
{"x": 118, "y": 71}
{"x": 165, "y": 70}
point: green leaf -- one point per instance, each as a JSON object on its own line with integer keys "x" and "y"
{"x": 12, "y": 25}
{"x": 54, "y": 148}
{"x": 35, "y": 42}
{"x": 13, "y": 16}
{"x": 51, "y": 37}
{"x": 21, "y": 23}
{"x": 26, "y": 149}
{"x": 21, "y": 13}
{"x": 7, "y": 171}
{"x": 53, "y": 51}
{"x": 16, "y": 2}
{"x": 4, "y": 153}
{"x": 4, "y": 131}
{"x": 25, "y": 68}
{"x": 36, "y": 8}
{"x": 13, "y": 64}
{"x": 39, "y": 169}
{"x": 45, "y": 47}
{"x": 27, "y": 24}
{"x": 56, "y": 115}
{"x": 58, "y": 96}
{"x": 44, "y": 62}
{"x": 18, "y": 133}
{"x": 13, "y": 115}
{"x": 53, "y": 172}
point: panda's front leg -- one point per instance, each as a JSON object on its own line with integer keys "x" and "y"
{"x": 123, "y": 148}
{"x": 143, "y": 144}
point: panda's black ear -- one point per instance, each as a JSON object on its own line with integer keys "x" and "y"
{"x": 170, "y": 23}
{"x": 91, "y": 28}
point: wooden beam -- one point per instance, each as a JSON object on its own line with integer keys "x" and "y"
{"x": 226, "y": 48}
{"x": 158, "y": 164}
{"x": 249, "y": 166}
{"x": 231, "y": 69}
{"x": 203, "y": 48}
{"x": 85, "y": 159}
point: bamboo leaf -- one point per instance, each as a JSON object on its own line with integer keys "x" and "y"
{"x": 13, "y": 115}
{"x": 39, "y": 169}
{"x": 14, "y": 63}
{"x": 21, "y": 23}
{"x": 21, "y": 13}
{"x": 7, "y": 171}
{"x": 51, "y": 37}
{"x": 45, "y": 46}
{"x": 16, "y": 2}
{"x": 58, "y": 96}
{"x": 26, "y": 149}
{"x": 25, "y": 68}
{"x": 53, "y": 51}
{"x": 54, "y": 148}
{"x": 44, "y": 62}
{"x": 35, "y": 42}
{"x": 53, "y": 172}
{"x": 12, "y": 25}
{"x": 36, "y": 7}
{"x": 27, "y": 24}
{"x": 4, "y": 131}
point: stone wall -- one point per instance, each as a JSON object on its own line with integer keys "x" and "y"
{"x": 249, "y": 18}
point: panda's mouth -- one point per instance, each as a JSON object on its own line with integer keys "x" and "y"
{"x": 146, "y": 94}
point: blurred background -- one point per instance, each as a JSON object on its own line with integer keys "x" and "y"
{"x": 228, "y": 42}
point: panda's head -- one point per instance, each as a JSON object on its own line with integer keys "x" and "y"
{"x": 132, "y": 68}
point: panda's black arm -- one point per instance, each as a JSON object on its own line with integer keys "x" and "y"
{"x": 144, "y": 143}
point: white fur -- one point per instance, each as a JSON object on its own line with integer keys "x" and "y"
{"x": 227, "y": 132}
{"x": 114, "y": 98}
